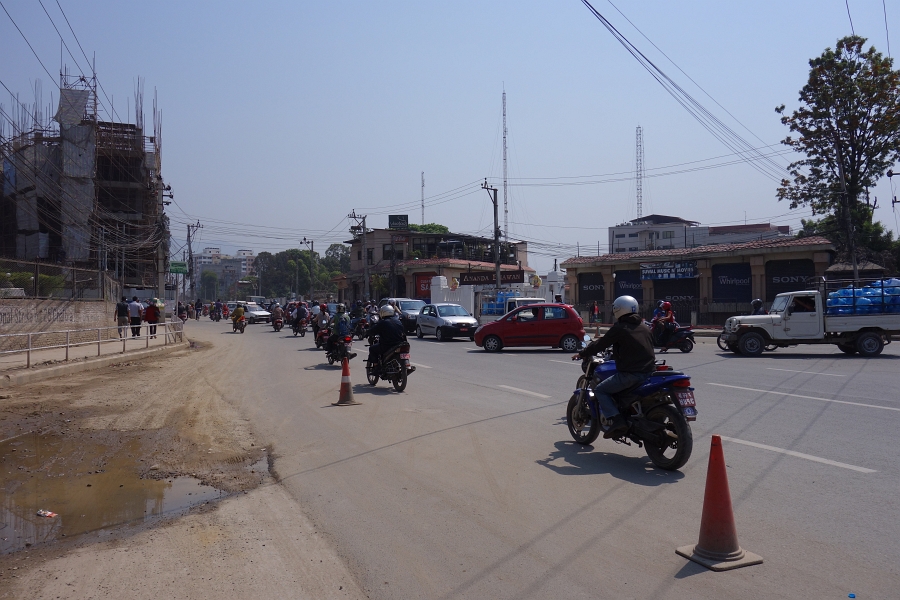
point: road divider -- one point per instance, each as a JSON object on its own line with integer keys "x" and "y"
{"x": 521, "y": 391}
{"x": 817, "y": 459}
{"x": 737, "y": 387}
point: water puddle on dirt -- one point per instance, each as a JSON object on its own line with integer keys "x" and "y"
{"x": 90, "y": 487}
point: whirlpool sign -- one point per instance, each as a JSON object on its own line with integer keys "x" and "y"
{"x": 732, "y": 283}
{"x": 628, "y": 283}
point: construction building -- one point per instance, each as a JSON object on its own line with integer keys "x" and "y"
{"x": 79, "y": 191}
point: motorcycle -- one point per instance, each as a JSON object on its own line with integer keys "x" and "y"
{"x": 322, "y": 336}
{"x": 394, "y": 366}
{"x": 658, "y": 412}
{"x": 239, "y": 325}
{"x": 299, "y": 328}
{"x": 277, "y": 324}
{"x": 340, "y": 349}
{"x": 215, "y": 315}
{"x": 359, "y": 327}
{"x": 678, "y": 337}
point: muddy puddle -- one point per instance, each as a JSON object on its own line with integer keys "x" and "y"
{"x": 90, "y": 486}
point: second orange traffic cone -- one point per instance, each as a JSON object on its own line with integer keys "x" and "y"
{"x": 346, "y": 397}
{"x": 718, "y": 548}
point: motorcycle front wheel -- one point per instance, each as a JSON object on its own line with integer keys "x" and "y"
{"x": 673, "y": 447}
{"x": 720, "y": 341}
{"x": 399, "y": 380}
{"x": 371, "y": 375}
{"x": 583, "y": 425}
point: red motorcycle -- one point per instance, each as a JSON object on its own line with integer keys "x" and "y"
{"x": 322, "y": 336}
{"x": 239, "y": 325}
{"x": 299, "y": 328}
{"x": 277, "y": 323}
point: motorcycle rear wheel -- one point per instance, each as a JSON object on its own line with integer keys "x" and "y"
{"x": 674, "y": 454}
{"x": 371, "y": 375}
{"x": 399, "y": 380}
{"x": 330, "y": 359}
{"x": 583, "y": 425}
{"x": 686, "y": 345}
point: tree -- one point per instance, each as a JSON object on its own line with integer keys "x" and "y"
{"x": 337, "y": 258}
{"x": 848, "y": 128}
{"x": 429, "y": 228}
{"x": 209, "y": 282}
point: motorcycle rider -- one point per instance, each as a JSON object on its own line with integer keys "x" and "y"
{"x": 277, "y": 312}
{"x": 237, "y": 314}
{"x": 632, "y": 346}
{"x": 664, "y": 325}
{"x": 390, "y": 332}
{"x": 758, "y": 308}
{"x": 300, "y": 313}
{"x": 218, "y": 307}
{"x": 340, "y": 327}
{"x": 322, "y": 319}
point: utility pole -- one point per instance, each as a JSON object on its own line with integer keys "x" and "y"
{"x": 191, "y": 230}
{"x": 355, "y": 229}
{"x": 845, "y": 207}
{"x": 639, "y": 169}
{"x": 505, "y": 173}
{"x": 493, "y": 196}
{"x": 312, "y": 274}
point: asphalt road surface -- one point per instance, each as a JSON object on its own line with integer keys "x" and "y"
{"x": 468, "y": 485}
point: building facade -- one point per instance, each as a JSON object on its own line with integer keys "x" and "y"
{"x": 661, "y": 232}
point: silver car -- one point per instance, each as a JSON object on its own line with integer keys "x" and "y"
{"x": 445, "y": 321}
{"x": 254, "y": 313}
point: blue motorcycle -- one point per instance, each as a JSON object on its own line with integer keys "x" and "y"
{"x": 658, "y": 412}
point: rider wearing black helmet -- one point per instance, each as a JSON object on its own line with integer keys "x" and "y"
{"x": 758, "y": 308}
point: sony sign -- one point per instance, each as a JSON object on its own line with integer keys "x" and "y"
{"x": 791, "y": 279}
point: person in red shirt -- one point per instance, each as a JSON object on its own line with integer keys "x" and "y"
{"x": 151, "y": 316}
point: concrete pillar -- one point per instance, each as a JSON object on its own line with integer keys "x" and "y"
{"x": 704, "y": 270}
{"x": 821, "y": 261}
{"x": 758, "y": 276}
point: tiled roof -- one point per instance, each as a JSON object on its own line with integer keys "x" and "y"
{"x": 699, "y": 251}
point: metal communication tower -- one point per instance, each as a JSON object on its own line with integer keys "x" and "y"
{"x": 639, "y": 168}
{"x": 423, "y": 197}
{"x": 505, "y": 198}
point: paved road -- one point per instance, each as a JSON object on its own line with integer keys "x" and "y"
{"x": 468, "y": 485}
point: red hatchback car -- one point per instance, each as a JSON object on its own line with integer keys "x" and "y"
{"x": 553, "y": 325}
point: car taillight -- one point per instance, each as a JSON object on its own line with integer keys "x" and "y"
{"x": 682, "y": 383}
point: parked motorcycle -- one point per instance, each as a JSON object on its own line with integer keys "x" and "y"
{"x": 299, "y": 328}
{"x": 277, "y": 324}
{"x": 658, "y": 412}
{"x": 675, "y": 336}
{"x": 239, "y": 325}
{"x": 340, "y": 349}
{"x": 394, "y": 367}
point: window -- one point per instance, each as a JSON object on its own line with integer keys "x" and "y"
{"x": 386, "y": 251}
{"x": 359, "y": 255}
{"x": 555, "y": 312}
{"x": 370, "y": 256}
{"x": 632, "y": 235}
{"x": 620, "y": 235}
{"x": 633, "y": 249}
{"x": 620, "y": 249}
{"x": 667, "y": 235}
{"x": 803, "y": 304}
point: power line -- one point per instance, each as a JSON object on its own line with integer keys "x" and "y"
{"x": 847, "y": 4}
{"x": 886, "y": 32}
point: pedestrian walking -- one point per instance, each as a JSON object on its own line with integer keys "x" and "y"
{"x": 151, "y": 316}
{"x": 595, "y": 312}
{"x": 135, "y": 311}
{"x": 121, "y": 316}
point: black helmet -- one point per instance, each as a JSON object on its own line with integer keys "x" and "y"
{"x": 756, "y": 303}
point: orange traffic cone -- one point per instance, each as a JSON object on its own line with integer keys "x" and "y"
{"x": 346, "y": 398}
{"x": 718, "y": 548}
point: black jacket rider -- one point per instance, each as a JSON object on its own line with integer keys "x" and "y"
{"x": 632, "y": 345}
{"x": 390, "y": 332}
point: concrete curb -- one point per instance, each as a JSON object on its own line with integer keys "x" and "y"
{"x": 713, "y": 333}
{"x": 23, "y": 376}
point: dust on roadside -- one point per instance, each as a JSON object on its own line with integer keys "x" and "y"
{"x": 120, "y": 445}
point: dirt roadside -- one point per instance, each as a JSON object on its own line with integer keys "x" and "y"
{"x": 160, "y": 489}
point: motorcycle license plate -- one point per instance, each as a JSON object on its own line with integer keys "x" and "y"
{"x": 405, "y": 356}
{"x": 685, "y": 399}
{"x": 463, "y": 328}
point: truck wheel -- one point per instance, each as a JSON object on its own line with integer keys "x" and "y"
{"x": 751, "y": 344}
{"x": 847, "y": 349}
{"x": 869, "y": 344}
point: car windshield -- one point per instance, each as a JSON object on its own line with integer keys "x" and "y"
{"x": 252, "y": 306}
{"x": 779, "y": 305}
{"x": 332, "y": 307}
{"x": 411, "y": 305}
{"x": 452, "y": 311}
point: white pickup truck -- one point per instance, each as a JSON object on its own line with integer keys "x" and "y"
{"x": 856, "y": 318}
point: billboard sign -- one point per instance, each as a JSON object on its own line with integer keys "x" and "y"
{"x": 628, "y": 283}
{"x": 590, "y": 287}
{"x": 490, "y": 277}
{"x": 398, "y": 221}
{"x": 423, "y": 285}
{"x": 178, "y": 268}
{"x": 669, "y": 270}
{"x": 731, "y": 283}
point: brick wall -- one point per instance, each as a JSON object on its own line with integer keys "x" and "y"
{"x": 32, "y": 316}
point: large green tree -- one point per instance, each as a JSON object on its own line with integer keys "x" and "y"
{"x": 435, "y": 228}
{"x": 847, "y": 130}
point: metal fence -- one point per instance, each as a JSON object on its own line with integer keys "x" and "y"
{"x": 28, "y": 279}
{"x": 28, "y": 343}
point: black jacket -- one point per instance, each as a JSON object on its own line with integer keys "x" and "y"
{"x": 390, "y": 330}
{"x": 632, "y": 345}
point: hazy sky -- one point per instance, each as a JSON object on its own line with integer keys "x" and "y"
{"x": 286, "y": 116}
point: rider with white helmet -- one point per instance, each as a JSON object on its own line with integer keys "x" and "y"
{"x": 632, "y": 346}
{"x": 390, "y": 332}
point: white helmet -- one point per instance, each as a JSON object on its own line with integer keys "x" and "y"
{"x": 624, "y": 305}
{"x": 387, "y": 311}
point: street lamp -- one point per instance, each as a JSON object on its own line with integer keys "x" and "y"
{"x": 312, "y": 277}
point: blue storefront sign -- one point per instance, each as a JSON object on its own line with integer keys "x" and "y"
{"x": 732, "y": 283}
{"x": 669, "y": 270}
{"x": 628, "y": 283}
